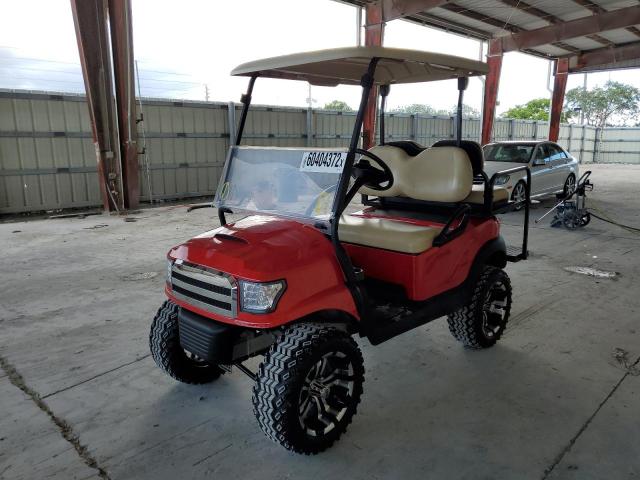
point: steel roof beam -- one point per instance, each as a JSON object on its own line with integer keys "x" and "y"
{"x": 393, "y": 9}
{"x": 595, "y": 8}
{"x": 621, "y": 18}
{"x": 548, "y": 17}
{"x": 481, "y": 17}
{"x": 604, "y": 56}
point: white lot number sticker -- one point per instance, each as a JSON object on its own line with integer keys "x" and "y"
{"x": 323, "y": 162}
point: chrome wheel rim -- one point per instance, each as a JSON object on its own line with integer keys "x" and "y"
{"x": 494, "y": 309}
{"x": 326, "y": 394}
{"x": 570, "y": 185}
{"x": 519, "y": 194}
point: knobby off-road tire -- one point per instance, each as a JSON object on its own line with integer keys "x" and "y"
{"x": 308, "y": 387}
{"x": 481, "y": 322}
{"x": 164, "y": 343}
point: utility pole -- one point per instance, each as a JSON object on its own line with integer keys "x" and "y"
{"x": 358, "y": 26}
{"x": 584, "y": 85}
{"x": 206, "y": 92}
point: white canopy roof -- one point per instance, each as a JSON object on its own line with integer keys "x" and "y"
{"x": 347, "y": 65}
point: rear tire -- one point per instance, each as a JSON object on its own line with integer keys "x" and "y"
{"x": 569, "y": 185}
{"x": 164, "y": 343}
{"x": 308, "y": 387}
{"x": 481, "y": 322}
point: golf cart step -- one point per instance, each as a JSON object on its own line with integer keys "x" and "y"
{"x": 515, "y": 254}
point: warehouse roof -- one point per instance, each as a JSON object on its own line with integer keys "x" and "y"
{"x": 595, "y": 34}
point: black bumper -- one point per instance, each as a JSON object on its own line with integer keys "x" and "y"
{"x": 209, "y": 340}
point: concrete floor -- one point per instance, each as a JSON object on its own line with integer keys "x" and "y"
{"x": 551, "y": 400}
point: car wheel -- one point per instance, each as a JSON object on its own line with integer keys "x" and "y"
{"x": 308, "y": 387}
{"x": 519, "y": 195}
{"x": 569, "y": 185}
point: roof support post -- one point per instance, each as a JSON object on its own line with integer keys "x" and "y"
{"x": 90, "y": 20}
{"x": 374, "y": 32}
{"x": 105, "y": 43}
{"x": 122, "y": 47}
{"x": 492, "y": 82}
{"x": 557, "y": 101}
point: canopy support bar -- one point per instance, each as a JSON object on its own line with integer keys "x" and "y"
{"x": 463, "y": 82}
{"x": 384, "y": 91}
{"x": 246, "y": 101}
{"x": 340, "y": 200}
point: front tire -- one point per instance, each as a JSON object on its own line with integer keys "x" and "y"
{"x": 481, "y": 322}
{"x": 164, "y": 343}
{"x": 519, "y": 195}
{"x": 308, "y": 387}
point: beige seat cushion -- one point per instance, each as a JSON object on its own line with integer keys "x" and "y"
{"x": 500, "y": 194}
{"x": 387, "y": 234}
{"x": 438, "y": 174}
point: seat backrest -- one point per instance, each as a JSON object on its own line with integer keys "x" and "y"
{"x": 410, "y": 147}
{"x": 473, "y": 150}
{"x": 441, "y": 174}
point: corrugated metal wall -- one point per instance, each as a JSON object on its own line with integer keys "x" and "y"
{"x": 619, "y": 145}
{"x": 47, "y": 158}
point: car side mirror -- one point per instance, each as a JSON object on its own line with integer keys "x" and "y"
{"x": 538, "y": 162}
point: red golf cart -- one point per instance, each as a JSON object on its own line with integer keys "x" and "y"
{"x": 298, "y": 277}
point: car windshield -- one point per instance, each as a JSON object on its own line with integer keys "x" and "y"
{"x": 292, "y": 182}
{"x": 508, "y": 153}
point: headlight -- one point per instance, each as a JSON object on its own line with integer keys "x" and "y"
{"x": 502, "y": 179}
{"x": 260, "y": 297}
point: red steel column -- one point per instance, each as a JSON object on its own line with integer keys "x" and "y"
{"x": 122, "y": 46}
{"x": 90, "y": 20}
{"x": 491, "y": 86}
{"x": 557, "y": 101}
{"x": 374, "y": 32}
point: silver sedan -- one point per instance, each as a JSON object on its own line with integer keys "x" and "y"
{"x": 553, "y": 169}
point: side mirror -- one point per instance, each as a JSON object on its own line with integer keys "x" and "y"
{"x": 538, "y": 162}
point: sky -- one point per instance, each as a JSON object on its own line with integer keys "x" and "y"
{"x": 186, "y": 49}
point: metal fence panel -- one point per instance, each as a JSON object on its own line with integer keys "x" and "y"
{"x": 620, "y": 145}
{"x": 47, "y": 157}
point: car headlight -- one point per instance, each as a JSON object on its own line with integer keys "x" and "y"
{"x": 502, "y": 179}
{"x": 260, "y": 297}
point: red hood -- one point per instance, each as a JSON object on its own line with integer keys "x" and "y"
{"x": 258, "y": 247}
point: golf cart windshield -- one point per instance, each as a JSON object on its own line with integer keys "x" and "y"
{"x": 299, "y": 183}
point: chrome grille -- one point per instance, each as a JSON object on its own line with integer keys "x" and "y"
{"x": 205, "y": 288}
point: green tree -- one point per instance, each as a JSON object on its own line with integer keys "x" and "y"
{"x": 419, "y": 109}
{"x": 605, "y": 105}
{"x": 536, "y": 109}
{"x": 338, "y": 105}
{"x": 467, "y": 111}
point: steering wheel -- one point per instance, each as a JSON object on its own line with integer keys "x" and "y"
{"x": 373, "y": 177}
